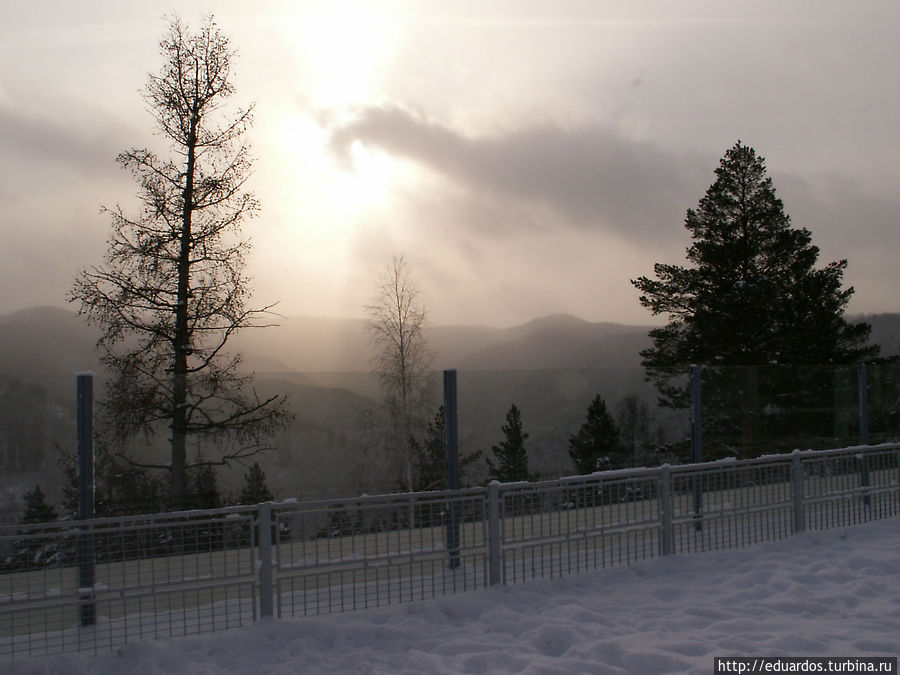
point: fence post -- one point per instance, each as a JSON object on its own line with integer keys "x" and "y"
{"x": 265, "y": 559}
{"x": 797, "y": 492}
{"x": 452, "y": 444}
{"x": 665, "y": 509}
{"x": 863, "y": 381}
{"x": 697, "y": 441}
{"x": 494, "y": 532}
{"x": 862, "y": 460}
{"x": 85, "y": 430}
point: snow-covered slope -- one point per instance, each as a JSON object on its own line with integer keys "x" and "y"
{"x": 830, "y": 593}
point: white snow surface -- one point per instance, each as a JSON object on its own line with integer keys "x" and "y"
{"x": 831, "y": 593}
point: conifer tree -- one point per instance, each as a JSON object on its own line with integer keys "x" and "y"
{"x": 255, "y": 490}
{"x": 204, "y": 486}
{"x": 596, "y": 444}
{"x": 511, "y": 455}
{"x": 431, "y": 457}
{"x": 752, "y": 294}
{"x": 37, "y": 510}
{"x": 750, "y": 299}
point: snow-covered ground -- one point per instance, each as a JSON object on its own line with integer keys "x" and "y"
{"x": 832, "y": 593}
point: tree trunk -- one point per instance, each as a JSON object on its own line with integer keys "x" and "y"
{"x": 181, "y": 342}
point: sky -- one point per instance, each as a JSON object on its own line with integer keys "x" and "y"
{"x": 525, "y": 157}
{"x": 830, "y": 593}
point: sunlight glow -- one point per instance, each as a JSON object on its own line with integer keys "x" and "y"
{"x": 366, "y": 184}
{"x": 348, "y": 51}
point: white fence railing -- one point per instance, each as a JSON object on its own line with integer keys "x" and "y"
{"x": 93, "y": 585}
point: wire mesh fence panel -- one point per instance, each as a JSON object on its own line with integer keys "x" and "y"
{"x": 92, "y": 585}
{"x": 335, "y": 556}
{"x": 578, "y": 524}
{"x": 731, "y": 504}
{"x": 883, "y": 399}
{"x": 851, "y": 487}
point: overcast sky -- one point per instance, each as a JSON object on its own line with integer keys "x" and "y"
{"x": 526, "y": 157}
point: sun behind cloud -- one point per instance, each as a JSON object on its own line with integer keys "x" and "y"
{"x": 347, "y": 49}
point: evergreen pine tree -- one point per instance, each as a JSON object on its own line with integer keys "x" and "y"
{"x": 430, "y": 457}
{"x": 512, "y": 458}
{"x": 596, "y": 444}
{"x": 37, "y": 510}
{"x": 751, "y": 297}
{"x": 255, "y": 490}
{"x": 120, "y": 487}
{"x": 204, "y": 487}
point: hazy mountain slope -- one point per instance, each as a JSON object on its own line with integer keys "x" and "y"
{"x": 561, "y": 341}
{"x": 52, "y": 341}
{"x": 46, "y": 341}
{"x": 885, "y": 332}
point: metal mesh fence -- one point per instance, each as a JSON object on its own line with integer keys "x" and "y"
{"x": 347, "y": 555}
{"x": 573, "y": 525}
{"x": 91, "y": 585}
{"x": 95, "y": 584}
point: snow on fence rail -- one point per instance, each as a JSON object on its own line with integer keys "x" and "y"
{"x": 175, "y": 574}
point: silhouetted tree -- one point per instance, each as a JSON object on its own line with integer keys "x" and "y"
{"x": 752, "y": 294}
{"x": 430, "y": 457}
{"x": 634, "y": 420}
{"x": 751, "y": 297}
{"x": 255, "y": 490}
{"x": 396, "y": 323}
{"x": 172, "y": 290}
{"x": 203, "y": 486}
{"x": 120, "y": 487}
{"x": 37, "y": 510}
{"x": 511, "y": 455}
{"x": 596, "y": 443}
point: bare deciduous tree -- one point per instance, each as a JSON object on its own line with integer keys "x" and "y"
{"x": 634, "y": 419}
{"x": 172, "y": 289}
{"x": 396, "y": 322}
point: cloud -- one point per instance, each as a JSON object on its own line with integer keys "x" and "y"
{"x": 588, "y": 176}
{"x": 551, "y": 197}
{"x": 36, "y": 138}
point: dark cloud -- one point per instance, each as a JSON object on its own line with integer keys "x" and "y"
{"x": 85, "y": 147}
{"x": 587, "y": 175}
{"x": 546, "y": 181}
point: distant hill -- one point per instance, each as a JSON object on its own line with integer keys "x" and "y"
{"x": 885, "y": 331}
{"x": 47, "y": 341}
{"x": 560, "y": 341}
{"x": 550, "y": 367}
{"x": 306, "y": 344}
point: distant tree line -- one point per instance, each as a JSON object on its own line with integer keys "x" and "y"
{"x": 120, "y": 488}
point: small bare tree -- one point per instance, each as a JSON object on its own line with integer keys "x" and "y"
{"x": 396, "y": 322}
{"x": 634, "y": 419}
{"x": 172, "y": 290}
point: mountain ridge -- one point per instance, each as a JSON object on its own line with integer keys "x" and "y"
{"x": 51, "y": 341}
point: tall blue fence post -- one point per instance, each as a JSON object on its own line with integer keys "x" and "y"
{"x": 494, "y": 576}
{"x": 265, "y": 559}
{"x": 863, "y": 380}
{"x": 452, "y": 439}
{"x": 697, "y": 441}
{"x": 85, "y": 430}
